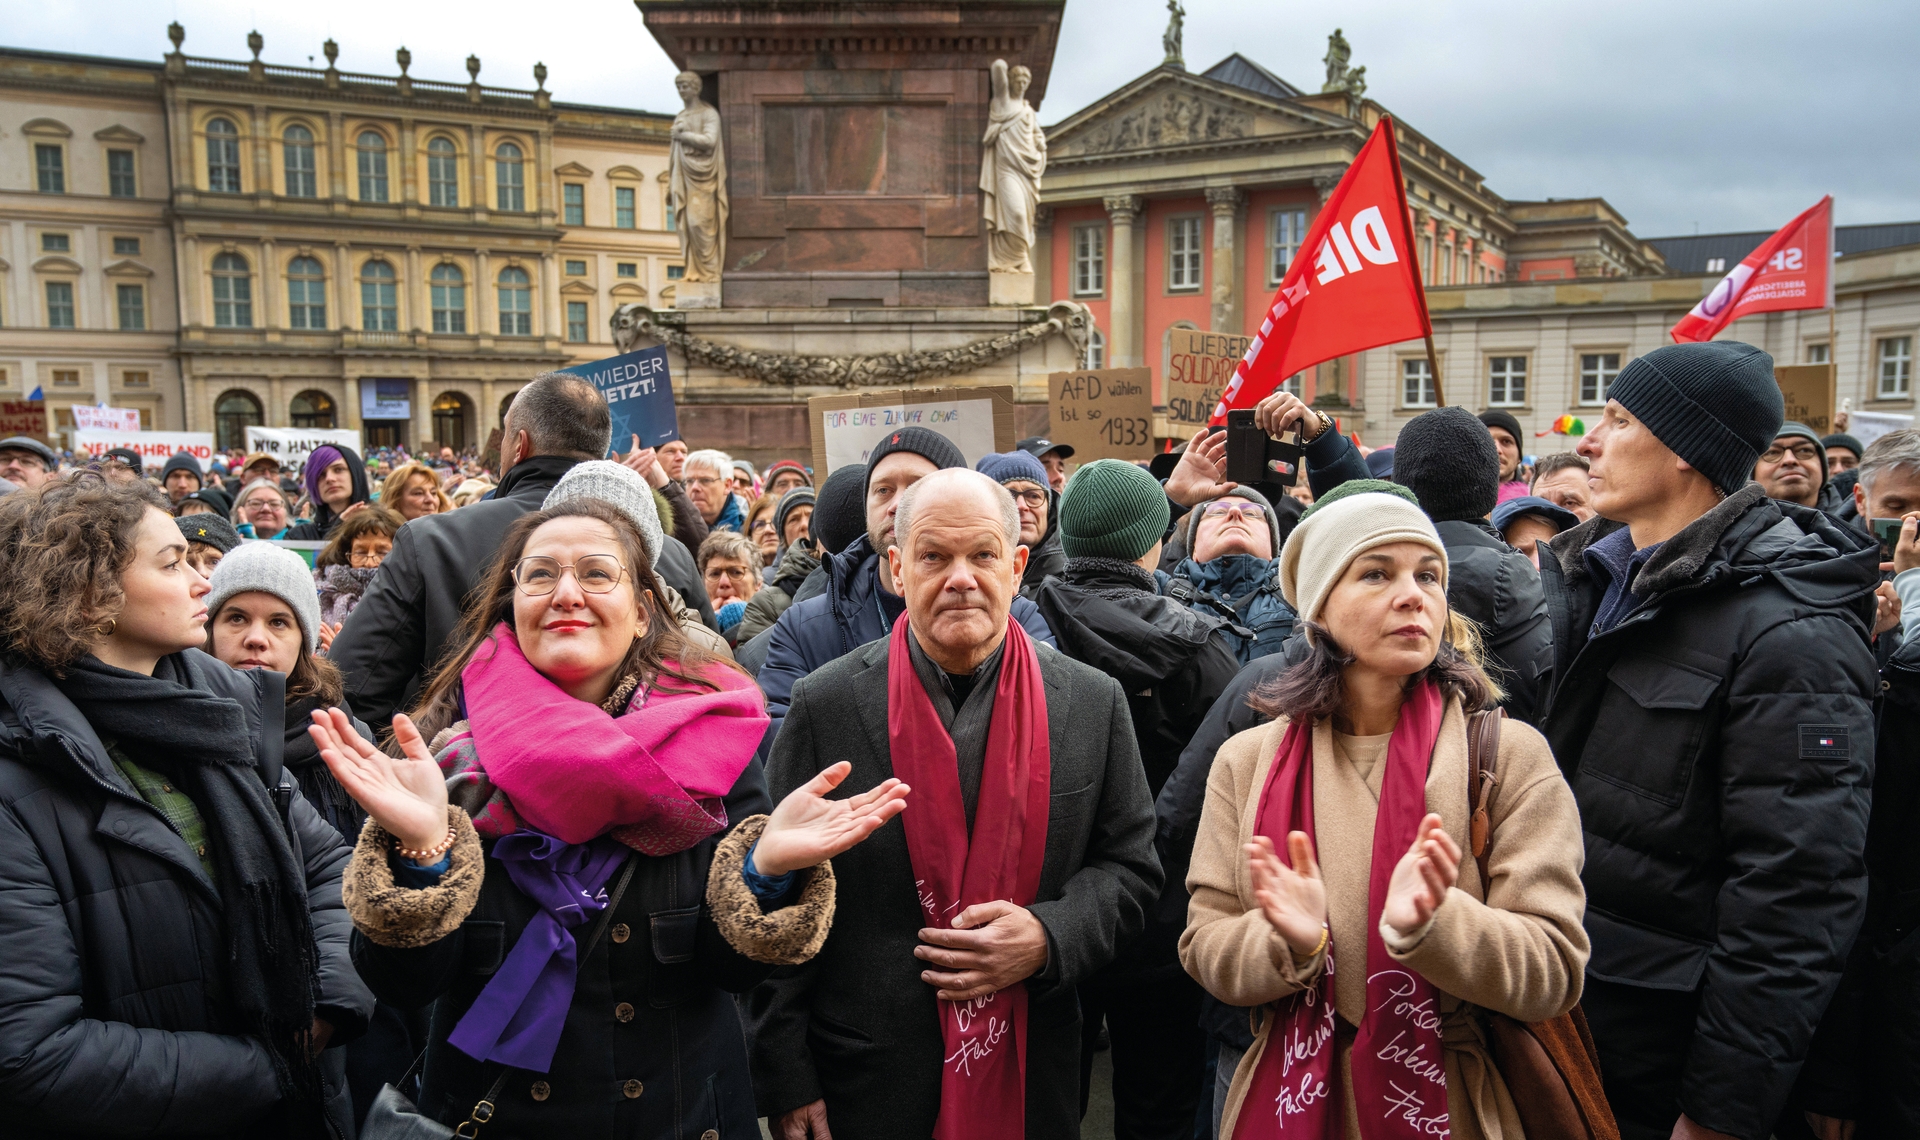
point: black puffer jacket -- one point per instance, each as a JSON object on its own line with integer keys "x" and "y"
{"x": 1720, "y": 744}
{"x": 111, "y": 1019}
{"x": 1498, "y": 588}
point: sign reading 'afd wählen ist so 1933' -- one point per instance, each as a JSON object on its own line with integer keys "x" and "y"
{"x": 639, "y": 394}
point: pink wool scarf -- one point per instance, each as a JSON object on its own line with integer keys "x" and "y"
{"x": 653, "y": 777}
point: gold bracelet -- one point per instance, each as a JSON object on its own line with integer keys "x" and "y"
{"x": 430, "y": 855}
{"x": 1325, "y": 936}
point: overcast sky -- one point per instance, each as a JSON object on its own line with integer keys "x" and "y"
{"x": 1684, "y": 115}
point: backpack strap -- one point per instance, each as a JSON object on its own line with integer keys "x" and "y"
{"x": 1483, "y": 757}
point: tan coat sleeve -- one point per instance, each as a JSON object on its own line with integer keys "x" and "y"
{"x": 1522, "y": 952}
{"x": 1228, "y": 945}
{"x": 691, "y": 625}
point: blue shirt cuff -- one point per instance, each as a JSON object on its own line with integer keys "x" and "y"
{"x": 771, "y": 890}
{"x": 411, "y": 876}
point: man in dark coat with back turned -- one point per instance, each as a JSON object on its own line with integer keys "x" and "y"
{"x": 1023, "y": 863}
{"x": 1713, "y": 710}
{"x": 404, "y": 624}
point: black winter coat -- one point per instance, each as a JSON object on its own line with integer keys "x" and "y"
{"x": 407, "y": 619}
{"x": 1719, "y": 742}
{"x": 1497, "y": 587}
{"x": 652, "y": 1046}
{"x": 1048, "y": 558}
{"x": 111, "y": 1018}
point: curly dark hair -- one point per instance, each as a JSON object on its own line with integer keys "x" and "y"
{"x": 1315, "y": 688}
{"x": 664, "y": 656}
{"x": 64, "y": 546}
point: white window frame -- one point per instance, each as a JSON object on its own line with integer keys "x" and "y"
{"x": 379, "y": 296}
{"x": 371, "y": 164}
{"x": 306, "y": 295}
{"x": 299, "y": 162}
{"x": 1186, "y": 261}
{"x": 1502, "y": 377}
{"x": 57, "y": 183}
{"x": 138, "y": 310}
{"x": 223, "y": 158}
{"x": 1096, "y": 356}
{"x": 584, "y": 326}
{"x": 132, "y": 173}
{"x": 573, "y": 204}
{"x": 447, "y": 289}
{"x": 69, "y": 304}
{"x": 626, "y": 214}
{"x": 1090, "y": 259}
{"x": 1893, "y": 367}
{"x": 1416, "y": 369}
{"x": 1286, "y": 229}
{"x": 1600, "y": 373}
{"x": 443, "y": 172}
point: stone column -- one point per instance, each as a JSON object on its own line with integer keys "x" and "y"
{"x": 409, "y": 185}
{"x": 422, "y": 412}
{"x": 337, "y": 160}
{"x": 483, "y": 298}
{"x": 190, "y": 285}
{"x": 549, "y": 288}
{"x": 262, "y": 148}
{"x": 1123, "y": 338}
{"x": 1226, "y": 203}
{"x": 265, "y": 307}
{"x": 279, "y": 414}
{"x": 416, "y": 292}
{"x": 343, "y": 292}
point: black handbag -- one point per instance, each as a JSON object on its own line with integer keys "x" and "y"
{"x": 392, "y": 1116}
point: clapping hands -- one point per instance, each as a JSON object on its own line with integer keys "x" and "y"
{"x": 1422, "y": 878}
{"x": 406, "y": 796}
{"x": 1293, "y": 898}
{"x": 807, "y": 828}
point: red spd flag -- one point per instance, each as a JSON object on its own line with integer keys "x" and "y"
{"x": 1793, "y": 269}
{"x": 1359, "y": 290}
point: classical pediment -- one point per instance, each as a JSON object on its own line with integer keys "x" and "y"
{"x": 572, "y": 170}
{"x": 577, "y": 289}
{"x": 119, "y": 134}
{"x": 1167, "y": 108}
{"x": 127, "y": 268}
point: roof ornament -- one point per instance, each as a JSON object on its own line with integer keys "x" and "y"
{"x": 1341, "y": 79}
{"x": 1171, "y": 39}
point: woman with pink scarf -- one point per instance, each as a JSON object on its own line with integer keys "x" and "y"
{"x": 573, "y": 858}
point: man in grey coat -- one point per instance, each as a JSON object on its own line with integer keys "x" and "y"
{"x": 854, "y": 1044}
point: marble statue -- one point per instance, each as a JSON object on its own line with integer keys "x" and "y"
{"x": 697, "y": 183}
{"x": 1171, "y": 40}
{"x": 1013, "y": 156}
{"x": 1337, "y": 57}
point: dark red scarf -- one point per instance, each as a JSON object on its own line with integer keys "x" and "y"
{"x": 1399, "y": 1080}
{"x": 983, "y": 1082}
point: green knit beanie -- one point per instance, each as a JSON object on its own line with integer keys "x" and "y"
{"x": 1112, "y": 509}
{"x": 1360, "y": 487}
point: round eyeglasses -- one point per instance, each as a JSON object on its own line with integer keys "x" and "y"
{"x": 596, "y": 574}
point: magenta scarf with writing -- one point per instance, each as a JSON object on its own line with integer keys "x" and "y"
{"x": 983, "y": 1080}
{"x": 1399, "y": 1079}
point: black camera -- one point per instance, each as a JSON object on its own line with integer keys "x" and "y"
{"x": 1253, "y": 456}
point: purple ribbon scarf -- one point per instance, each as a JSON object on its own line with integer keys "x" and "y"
{"x": 518, "y": 1017}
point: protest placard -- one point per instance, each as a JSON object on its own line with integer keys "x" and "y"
{"x": 23, "y": 417}
{"x": 845, "y": 428}
{"x": 1102, "y": 413}
{"x": 1869, "y": 426}
{"x": 291, "y": 446}
{"x": 150, "y": 446}
{"x": 1808, "y": 390}
{"x": 86, "y": 418}
{"x": 1199, "y": 365}
{"x": 639, "y": 392}
{"x": 386, "y": 399}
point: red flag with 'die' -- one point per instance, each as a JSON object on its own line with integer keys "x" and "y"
{"x": 1793, "y": 269}
{"x": 1360, "y": 289}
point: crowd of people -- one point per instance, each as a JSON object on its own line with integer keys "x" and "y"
{"x": 554, "y": 795}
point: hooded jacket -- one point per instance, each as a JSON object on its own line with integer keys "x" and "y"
{"x": 853, "y": 610}
{"x": 1720, "y": 743}
{"x": 1243, "y": 590}
{"x": 772, "y": 600}
{"x": 111, "y": 1019}
{"x": 325, "y": 521}
{"x": 1048, "y": 558}
{"x": 1498, "y": 588}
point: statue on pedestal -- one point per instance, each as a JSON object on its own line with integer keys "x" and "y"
{"x": 1340, "y": 78}
{"x": 697, "y": 183}
{"x": 1176, "y": 57}
{"x": 1012, "y": 159}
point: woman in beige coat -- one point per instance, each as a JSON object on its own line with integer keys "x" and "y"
{"x": 1363, "y": 778}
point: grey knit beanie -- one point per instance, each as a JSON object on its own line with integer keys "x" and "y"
{"x": 274, "y": 570}
{"x": 1714, "y": 404}
{"x": 621, "y": 488}
{"x": 1192, "y": 519}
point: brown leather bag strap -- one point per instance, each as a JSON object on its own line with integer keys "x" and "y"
{"x": 1483, "y": 760}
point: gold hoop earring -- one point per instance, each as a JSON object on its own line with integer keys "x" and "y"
{"x": 112, "y": 624}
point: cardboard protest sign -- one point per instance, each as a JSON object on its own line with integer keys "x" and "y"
{"x": 1102, "y": 413}
{"x": 23, "y": 417}
{"x": 87, "y": 418}
{"x": 1808, "y": 390}
{"x": 639, "y": 392}
{"x": 291, "y": 446}
{"x": 1199, "y": 367}
{"x": 150, "y": 446}
{"x": 845, "y": 428}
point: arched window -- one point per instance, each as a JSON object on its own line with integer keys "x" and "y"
{"x": 510, "y": 178}
{"x": 232, "y": 292}
{"x": 223, "y": 157}
{"x": 379, "y": 298}
{"x": 516, "y": 302}
{"x": 306, "y": 294}
{"x": 443, "y": 173}
{"x": 450, "y": 421}
{"x": 449, "y": 299}
{"x": 1096, "y": 348}
{"x": 233, "y": 413}
{"x": 297, "y": 149}
{"x": 373, "y": 166}
{"x": 311, "y": 410}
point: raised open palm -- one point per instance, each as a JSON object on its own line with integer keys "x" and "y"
{"x": 808, "y": 828}
{"x": 407, "y": 796}
{"x": 1422, "y": 877}
{"x": 1293, "y": 898}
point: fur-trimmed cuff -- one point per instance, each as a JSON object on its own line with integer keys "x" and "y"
{"x": 786, "y": 937}
{"x": 404, "y": 919}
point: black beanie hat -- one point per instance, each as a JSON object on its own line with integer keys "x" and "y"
{"x": 928, "y": 444}
{"x": 1447, "y": 459}
{"x": 840, "y": 509}
{"x": 211, "y": 529}
{"x": 1501, "y": 418}
{"x": 1714, "y": 404}
{"x": 183, "y": 461}
{"x": 1842, "y": 439}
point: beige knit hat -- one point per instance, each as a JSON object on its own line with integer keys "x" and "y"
{"x": 1327, "y": 541}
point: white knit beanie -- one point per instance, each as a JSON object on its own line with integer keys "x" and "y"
{"x": 1328, "y": 539}
{"x": 621, "y": 488}
{"x": 269, "y": 569}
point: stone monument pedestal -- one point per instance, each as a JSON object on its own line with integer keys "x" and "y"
{"x": 697, "y": 295}
{"x": 1009, "y": 288}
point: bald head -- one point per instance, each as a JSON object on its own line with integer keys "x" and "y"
{"x": 957, "y": 489}
{"x": 957, "y": 561}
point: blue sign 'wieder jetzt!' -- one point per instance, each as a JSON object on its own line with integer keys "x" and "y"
{"x": 639, "y": 393}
